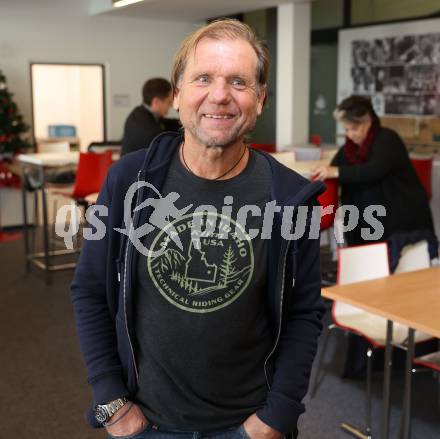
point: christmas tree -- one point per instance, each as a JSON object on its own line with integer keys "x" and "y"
{"x": 12, "y": 126}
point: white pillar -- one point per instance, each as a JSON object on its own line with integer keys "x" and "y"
{"x": 293, "y": 74}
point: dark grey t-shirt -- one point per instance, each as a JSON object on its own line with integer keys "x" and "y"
{"x": 201, "y": 326}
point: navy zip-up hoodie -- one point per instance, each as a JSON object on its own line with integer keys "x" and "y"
{"x": 105, "y": 278}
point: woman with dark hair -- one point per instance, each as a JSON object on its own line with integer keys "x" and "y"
{"x": 374, "y": 169}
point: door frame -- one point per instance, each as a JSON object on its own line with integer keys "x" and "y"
{"x": 104, "y": 100}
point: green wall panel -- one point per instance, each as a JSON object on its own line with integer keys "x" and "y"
{"x": 366, "y": 11}
{"x": 327, "y": 14}
{"x": 323, "y": 85}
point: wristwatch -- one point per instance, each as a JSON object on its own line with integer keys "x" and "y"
{"x": 103, "y": 412}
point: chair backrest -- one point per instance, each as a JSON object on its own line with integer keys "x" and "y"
{"x": 356, "y": 264}
{"x": 111, "y": 145}
{"x": 329, "y": 198}
{"x": 91, "y": 172}
{"x": 306, "y": 153}
{"x": 423, "y": 167}
{"x": 53, "y": 147}
{"x": 414, "y": 257}
{"x": 267, "y": 147}
{"x": 362, "y": 262}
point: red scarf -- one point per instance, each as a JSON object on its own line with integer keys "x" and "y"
{"x": 355, "y": 154}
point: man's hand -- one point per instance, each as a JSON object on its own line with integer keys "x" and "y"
{"x": 132, "y": 422}
{"x": 257, "y": 429}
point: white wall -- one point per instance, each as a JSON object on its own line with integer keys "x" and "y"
{"x": 60, "y": 31}
{"x": 90, "y": 122}
{"x": 293, "y": 74}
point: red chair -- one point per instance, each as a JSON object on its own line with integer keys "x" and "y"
{"x": 423, "y": 167}
{"x": 90, "y": 175}
{"x": 267, "y": 147}
{"x": 8, "y": 180}
{"x": 329, "y": 198}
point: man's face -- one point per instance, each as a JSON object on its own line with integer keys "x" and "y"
{"x": 217, "y": 95}
{"x": 162, "y": 106}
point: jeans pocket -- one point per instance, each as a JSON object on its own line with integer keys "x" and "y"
{"x": 243, "y": 432}
{"x": 138, "y": 435}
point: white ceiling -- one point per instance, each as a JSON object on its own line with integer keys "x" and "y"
{"x": 193, "y": 10}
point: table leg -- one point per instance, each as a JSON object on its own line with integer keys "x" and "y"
{"x": 406, "y": 411}
{"x": 438, "y": 380}
{"x": 387, "y": 381}
{"x": 351, "y": 429}
{"x": 25, "y": 225}
{"x": 368, "y": 399}
{"x": 45, "y": 235}
{"x": 355, "y": 432}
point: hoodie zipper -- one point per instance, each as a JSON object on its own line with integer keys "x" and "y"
{"x": 125, "y": 312}
{"x": 134, "y": 223}
{"x": 277, "y": 339}
{"x": 283, "y": 277}
{"x": 132, "y": 228}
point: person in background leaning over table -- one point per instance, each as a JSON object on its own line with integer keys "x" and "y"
{"x": 213, "y": 336}
{"x": 374, "y": 168}
{"x": 148, "y": 120}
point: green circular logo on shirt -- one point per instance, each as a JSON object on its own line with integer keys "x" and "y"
{"x": 206, "y": 262}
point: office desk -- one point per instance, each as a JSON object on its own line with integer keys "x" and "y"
{"x": 412, "y": 299}
{"x": 49, "y": 159}
{"x": 303, "y": 167}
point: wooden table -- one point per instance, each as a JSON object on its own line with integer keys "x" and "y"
{"x": 412, "y": 299}
{"x": 303, "y": 167}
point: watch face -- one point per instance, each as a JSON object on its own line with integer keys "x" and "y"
{"x": 101, "y": 414}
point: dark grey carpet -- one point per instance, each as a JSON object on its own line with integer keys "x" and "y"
{"x": 44, "y": 391}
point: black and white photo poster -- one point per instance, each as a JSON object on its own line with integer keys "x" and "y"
{"x": 398, "y": 66}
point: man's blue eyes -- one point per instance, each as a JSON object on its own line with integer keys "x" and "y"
{"x": 236, "y": 82}
{"x": 202, "y": 79}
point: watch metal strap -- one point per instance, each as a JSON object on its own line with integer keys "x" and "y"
{"x": 115, "y": 405}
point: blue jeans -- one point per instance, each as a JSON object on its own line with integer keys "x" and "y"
{"x": 154, "y": 432}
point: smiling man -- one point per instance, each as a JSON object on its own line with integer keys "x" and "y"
{"x": 213, "y": 336}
